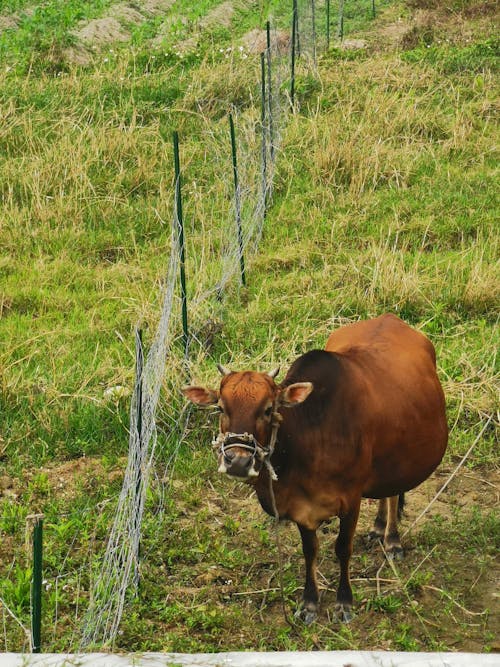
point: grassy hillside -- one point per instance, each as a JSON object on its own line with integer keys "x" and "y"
{"x": 384, "y": 200}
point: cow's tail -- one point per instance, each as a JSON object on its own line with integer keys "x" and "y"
{"x": 401, "y": 505}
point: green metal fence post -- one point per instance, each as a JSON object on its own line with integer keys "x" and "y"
{"x": 270, "y": 91}
{"x": 294, "y": 41}
{"x": 139, "y": 368}
{"x": 182, "y": 252}
{"x": 237, "y": 200}
{"x": 36, "y": 590}
{"x": 314, "y": 37}
{"x": 264, "y": 130}
{"x": 328, "y": 24}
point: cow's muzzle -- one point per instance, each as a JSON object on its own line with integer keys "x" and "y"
{"x": 240, "y": 455}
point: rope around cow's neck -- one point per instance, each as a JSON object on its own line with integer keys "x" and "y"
{"x": 277, "y": 419}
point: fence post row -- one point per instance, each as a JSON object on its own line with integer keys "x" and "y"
{"x": 237, "y": 200}
{"x": 36, "y": 585}
{"x": 182, "y": 252}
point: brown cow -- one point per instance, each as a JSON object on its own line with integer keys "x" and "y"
{"x": 368, "y": 421}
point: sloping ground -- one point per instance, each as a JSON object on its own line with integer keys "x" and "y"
{"x": 210, "y": 571}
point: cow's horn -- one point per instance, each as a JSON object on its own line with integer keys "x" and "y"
{"x": 274, "y": 373}
{"x": 223, "y": 370}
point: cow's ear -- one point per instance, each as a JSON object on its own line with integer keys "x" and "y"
{"x": 295, "y": 393}
{"x": 201, "y": 395}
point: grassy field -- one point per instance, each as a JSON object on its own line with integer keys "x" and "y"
{"x": 385, "y": 199}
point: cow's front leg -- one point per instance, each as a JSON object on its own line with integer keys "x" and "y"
{"x": 343, "y": 549}
{"x": 309, "y": 609}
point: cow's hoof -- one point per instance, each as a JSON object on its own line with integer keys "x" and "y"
{"x": 307, "y": 614}
{"x": 395, "y": 553}
{"x": 344, "y": 612}
{"x": 372, "y": 538}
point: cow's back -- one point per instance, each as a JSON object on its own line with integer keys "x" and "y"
{"x": 386, "y": 334}
{"x": 403, "y": 405}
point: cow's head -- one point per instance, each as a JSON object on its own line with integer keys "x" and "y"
{"x": 248, "y": 403}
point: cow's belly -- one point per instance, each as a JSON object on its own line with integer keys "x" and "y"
{"x": 310, "y": 513}
{"x": 390, "y": 477}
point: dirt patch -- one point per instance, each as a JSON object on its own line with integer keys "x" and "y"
{"x": 100, "y": 32}
{"x": 78, "y": 55}
{"x": 66, "y": 480}
{"x": 127, "y": 14}
{"x": 8, "y": 22}
{"x": 393, "y": 33}
{"x": 353, "y": 44}
{"x": 222, "y": 15}
{"x": 255, "y": 41}
{"x": 157, "y": 7}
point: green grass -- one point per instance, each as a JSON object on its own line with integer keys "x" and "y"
{"x": 385, "y": 200}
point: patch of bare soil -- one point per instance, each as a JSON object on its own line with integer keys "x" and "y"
{"x": 100, "y": 32}
{"x": 64, "y": 480}
{"x": 255, "y": 41}
{"x": 353, "y": 44}
{"x": 7, "y": 22}
{"x": 222, "y": 15}
{"x": 156, "y": 7}
{"x": 393, "y": 33}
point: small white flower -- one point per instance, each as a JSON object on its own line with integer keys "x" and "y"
{"x": 117, "y": 392}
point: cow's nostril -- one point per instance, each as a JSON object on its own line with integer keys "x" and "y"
{"x": 229, "y": 456}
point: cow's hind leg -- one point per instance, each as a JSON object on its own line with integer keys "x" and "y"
{"x": 392, "y": 543}
{"x": 309, "y": 609}
{"x": 343, "y": 549}
{"x": 377, "y": 533}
